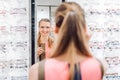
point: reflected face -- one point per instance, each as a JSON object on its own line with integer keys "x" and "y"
{"x": 44, "y": 28}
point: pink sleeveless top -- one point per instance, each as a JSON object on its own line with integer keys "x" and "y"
{"x": 58, "y": 70}
{"x": 47, "y": 50}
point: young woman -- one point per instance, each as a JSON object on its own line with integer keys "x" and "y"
{"x": 44, "y": 42}
{"x": 71, "y": 58}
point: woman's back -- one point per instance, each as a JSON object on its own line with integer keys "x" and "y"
{"x": 59, "y": 70}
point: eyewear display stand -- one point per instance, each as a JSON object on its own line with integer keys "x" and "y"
{"x": 15, "y": 39}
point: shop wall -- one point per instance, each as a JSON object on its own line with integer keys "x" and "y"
{"x": 14, "y": 39}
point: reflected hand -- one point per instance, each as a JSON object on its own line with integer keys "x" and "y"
{"x": 40, "y": 51}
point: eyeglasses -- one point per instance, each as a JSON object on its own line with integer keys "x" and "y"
{"x": 18, "y": 11}
{"x": 18, "y": 29}
{"x": 18, "y": 64}
{"x": 13, "y": 11}
{"x": 4, "y": 66}
{"x": 17, "y": 45}
{"x": 112, "y": 76}
{"x": 105, "y": 46}
{"x": 106, "y": 12}
{"x": 109, "y": 27}
{"x": 19, "y": 77}
{"x": 3, "y": 77}
{"x": 112, "y": 61}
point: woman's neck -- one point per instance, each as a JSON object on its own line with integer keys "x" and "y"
{"x": 71, "y": 54}
{"x": 44, "y": 39}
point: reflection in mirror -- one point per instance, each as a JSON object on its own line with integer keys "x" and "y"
{"x": 45, "y": 40}
{"x": 45, "y": 31}
{"x": 44, "y": 35}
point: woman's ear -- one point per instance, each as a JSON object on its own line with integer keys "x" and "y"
{"x": 88, "y": 34}
{"x": 56, "y": 29}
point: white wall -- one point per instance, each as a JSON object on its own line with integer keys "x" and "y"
{"x": 48, "y": 2}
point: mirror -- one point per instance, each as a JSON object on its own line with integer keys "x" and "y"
{"x": 44, "y": 9}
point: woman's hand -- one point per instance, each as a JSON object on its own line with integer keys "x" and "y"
{"x": 40, "y": 51}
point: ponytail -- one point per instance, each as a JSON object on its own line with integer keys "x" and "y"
{"x": 71, "y": 31}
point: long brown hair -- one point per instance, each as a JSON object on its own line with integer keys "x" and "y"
{"x": 50, "y": 39}
{"x": 70, "y": 20}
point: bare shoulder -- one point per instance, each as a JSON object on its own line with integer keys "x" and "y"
{"x": 33, "y": 72}
{"x": 34, "y": 67}
{"x": 51, "y": 39}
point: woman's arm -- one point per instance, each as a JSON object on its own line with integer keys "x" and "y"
{"x": 33, "y": 72}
